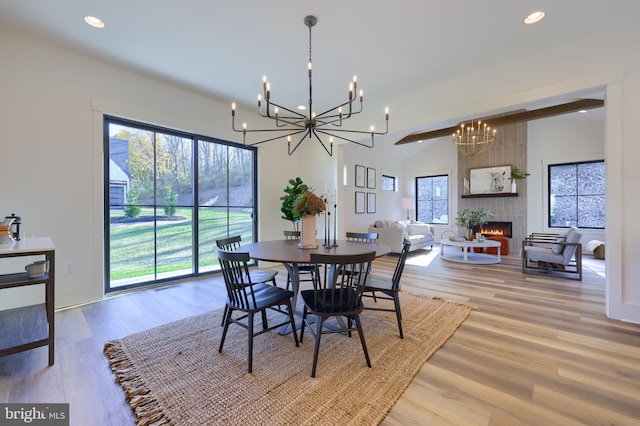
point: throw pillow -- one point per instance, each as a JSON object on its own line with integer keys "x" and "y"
{"x": 404, "y": 225}
{"x": 557, "y": 248}
{"x": 378, "y": 224}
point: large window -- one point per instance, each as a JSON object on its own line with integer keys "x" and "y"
{"x": 168, "y": 197}
{"x": 577, "y": 195}
{"x": 432, "y": 196}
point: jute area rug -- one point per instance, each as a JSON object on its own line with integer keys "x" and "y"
{"x": 173, "y": 374}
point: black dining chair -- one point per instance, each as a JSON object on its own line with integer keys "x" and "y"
{"x": 336, "y": 295}
{"x": 362, "y": 237}
{"x": 388, "y": 289}
{"x": 250, "y": 298}
{"x": 256, "y": 276}
{"x": 306, "y": 271}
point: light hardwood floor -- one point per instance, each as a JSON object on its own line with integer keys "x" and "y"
{"x": 538, "y": 350}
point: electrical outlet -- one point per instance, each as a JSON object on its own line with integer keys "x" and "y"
{"x": 69, "y": 267}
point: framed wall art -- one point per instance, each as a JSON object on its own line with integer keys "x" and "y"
{"x": 360, "y": 202}
{"x": 490, "y": 180}
{"x": 360, "y": 177}
{"x": 371, "y": 202}
{"x": 371, "y": 178}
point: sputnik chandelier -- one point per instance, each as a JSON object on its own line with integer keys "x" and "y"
{"x": 291, "y": 123}
{"x": 474, "y": 138}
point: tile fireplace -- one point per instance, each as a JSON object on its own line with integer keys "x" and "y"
{"x": 495, "y": 228}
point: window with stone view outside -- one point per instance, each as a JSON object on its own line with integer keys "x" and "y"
{"x": 577, "y": 195}
{"x": 432, "y": 196}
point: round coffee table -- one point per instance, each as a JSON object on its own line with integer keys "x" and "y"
{"x": 464, "y": 253}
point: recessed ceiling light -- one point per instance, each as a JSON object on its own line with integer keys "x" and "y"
{"x": 302, "y": 107}
{"x": 583, "y": 111}
{"x": 534, "y": 17}
{"x": 94, "y": 22}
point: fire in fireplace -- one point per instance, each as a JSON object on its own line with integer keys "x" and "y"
{"x": 495, "y": 228}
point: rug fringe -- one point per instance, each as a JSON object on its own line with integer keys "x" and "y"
{"x": 147, "y": 409}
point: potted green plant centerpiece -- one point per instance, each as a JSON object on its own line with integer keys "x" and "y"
{"x": 295, "y": 189}
{"x": 301, "y": 206}
{"x": 516, "y": 174}
{"x": 469, "y": 218}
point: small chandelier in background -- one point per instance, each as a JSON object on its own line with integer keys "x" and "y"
{"x": 474, "y": 138}
{"x": 291, "y": 123}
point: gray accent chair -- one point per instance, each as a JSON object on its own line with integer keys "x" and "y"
{"x": 554, "y": 254}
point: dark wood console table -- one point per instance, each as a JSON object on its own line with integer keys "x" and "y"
{"x": 28, "y": 327}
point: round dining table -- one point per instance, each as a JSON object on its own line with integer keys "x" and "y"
{"x": 290, "y": 255}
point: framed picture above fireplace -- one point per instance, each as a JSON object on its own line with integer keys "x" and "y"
{"x": 490, "y": 180}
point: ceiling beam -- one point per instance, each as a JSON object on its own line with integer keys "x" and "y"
{"x": 510, "y": 118}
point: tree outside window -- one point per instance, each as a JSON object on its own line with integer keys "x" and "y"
{"x": 432, "y": 196}
{"x": 577, "y": 195}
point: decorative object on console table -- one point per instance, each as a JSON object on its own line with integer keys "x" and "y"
{"x": 6, "y": 236}
{"x": 515, "y": 175}
{"x": 469, "y": 218}
{"x": 17, "y": 221}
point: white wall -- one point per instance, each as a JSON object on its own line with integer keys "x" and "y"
{"x": 438, "y": 157}
{"x": 51, "y": 167}
{"x": 51, "y": 163}
{"x": 388, "y": 203}
{"x": 562, "y": 139}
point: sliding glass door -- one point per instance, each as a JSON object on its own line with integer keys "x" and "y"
{"x": 168, "y": 197}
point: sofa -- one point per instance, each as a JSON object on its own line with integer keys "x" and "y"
{"x": 391, "y": 233}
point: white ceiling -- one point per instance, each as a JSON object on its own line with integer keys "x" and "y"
{"x": 223, "y": 48}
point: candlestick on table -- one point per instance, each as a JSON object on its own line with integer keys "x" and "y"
{"x": 327, "y": 237}
{"x": 328, "y": 245}
{"x": 335, "y": 222}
